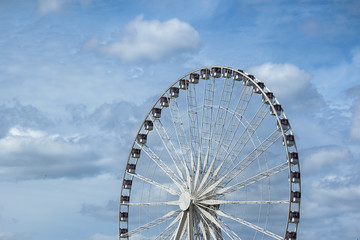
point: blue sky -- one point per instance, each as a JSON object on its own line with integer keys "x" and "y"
{"x": 78, "y": 76}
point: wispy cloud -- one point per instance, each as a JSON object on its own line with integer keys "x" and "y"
{"x": 50, "y": 6}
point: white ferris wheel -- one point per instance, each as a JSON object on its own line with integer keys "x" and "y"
{"x": 215, "y": 158}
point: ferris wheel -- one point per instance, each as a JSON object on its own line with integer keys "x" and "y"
{"x": 214, "y": 158}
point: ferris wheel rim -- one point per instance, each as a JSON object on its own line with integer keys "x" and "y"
{"x": 263, "y": 91}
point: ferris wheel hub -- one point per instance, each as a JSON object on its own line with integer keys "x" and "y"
{"x": 185, "y": 201}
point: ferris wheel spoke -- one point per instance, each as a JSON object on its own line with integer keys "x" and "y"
{"x": 221, "y": 114}
{"x": 241, "y": 142}
{"x": 169, "y": 230}
{"x": 233, "y": 124}
{"x": 193, "y": 121}
{"x": 175, "y": 203}
{"x": 180, "y": 131}
{"x": 208, "y": 225}
{"x": 248, "y": 224}
{"x": 228, "y": 231}
{"x": 254, "y": 179}
{"x": 251, "y": 157}
{"x": 176, "y": 159}
{"x": 165, "y": 168}
{"x": 186, "y": 156}
{"x": 244, "y": 163}
{"x": 203, "y": 231}
{"x": 217, "y": 202}
{"x": 181, "y": 227}
{"x": 153, "y": 223}
{"x": 213, "y": 220}
{"x": 247, "y": 134}
{"x": 206, "y": 121}
{"x": 145, "y": 179}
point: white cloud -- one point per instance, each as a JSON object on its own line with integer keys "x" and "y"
{"x": 153, "y": 40}
{"x": 289, "y": 83}
{"x": 284, "y": 80}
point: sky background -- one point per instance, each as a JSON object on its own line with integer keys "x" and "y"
{"x": 77, "y": 77}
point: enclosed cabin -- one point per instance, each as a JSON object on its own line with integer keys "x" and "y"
{"x": 156, "y": 112}
{"x": 294, "y": 158}
{"x": 295, "y": 197}
{"x": 276, "y": 110}
{"x": 174, "y": 92}
{"x": 205, "y": 73}
{"x": 135, "y": 152}
{"x": 184, "y": 84}
{"x": 227, "y": 73}
{"x": 237, "y": 76}
{"x": 164, "y": 102}
{"x": 123, "y": 232}
{"x": 283, "y": 124}
{"x": 294, "y": 217}
{"x": 148, "y": 125}
{"x": 290, "y": 236}
{"x": 127, "y": 184}
{"x": 269, "y": 96}
{"x": 125, "y": 199}
{"x": 216, "y": 72}
{"x": 141, "y": 138}
{"x": 295, "y": 177}
{"x": 258, "y": 87}
{"x": 247, "y": 80}
{"x": 194, "y": 78}
{"x": 289, "y": 140}
{"x": 123, "y": 216}
{"x": 131, "y": 167}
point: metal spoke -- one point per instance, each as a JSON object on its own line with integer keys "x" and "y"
{"x": 176, "y": 159}
{"x": 193, "y": 121}
{"x": 153, "y": 223}
{"x": 206, "y": 121}
{"x": 221, "y": 114}
{"x": 248, "y": 224}
{"x": 246, "y": 161}
{"x": 153, "y": 203}
{"x": 256, "y": 178}
{"x": 251, "y": 157}
{"x": 163, "y": 166}
{"x": 186, "y": 158}
{"x": 169, "y": 230}
{"x": 181, "y": 228}
{"x": 145, "y": 179}
{"x": 216, "y": 202}
{"x": 246, "y": 136}
{"x": 233, "y": 124}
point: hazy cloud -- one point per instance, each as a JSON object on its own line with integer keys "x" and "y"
{"x": 48, "y": 6}
{"x": 152, "y": 40}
